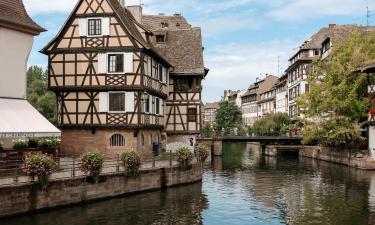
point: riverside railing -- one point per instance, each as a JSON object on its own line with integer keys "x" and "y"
{"x": 12, "y": 172}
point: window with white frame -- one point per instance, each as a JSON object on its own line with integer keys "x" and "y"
{"x": 161, "y": 71}
{"x": 116, "y": 102}
{"x": 149, "y": 66}
{"x": 157, "y": 106}
{"x": 115, "y": 63}
{"x": 147, "y": 105}
{"x": 94, "y": 27}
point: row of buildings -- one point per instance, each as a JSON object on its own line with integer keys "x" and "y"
{"x": 278, "y": 94}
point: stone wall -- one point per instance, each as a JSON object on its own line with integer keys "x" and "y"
{"x": 215, "y": 143}
{"x": 78, "y": 141}
{"x": 28, "y": 197}
{"x": 338, "y": 156}
{"x": 175, "y": 142}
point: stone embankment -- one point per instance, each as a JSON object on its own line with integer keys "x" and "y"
{"x": 29, "y": 197}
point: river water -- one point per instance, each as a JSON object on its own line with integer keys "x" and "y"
{"x": 242, "y": 187}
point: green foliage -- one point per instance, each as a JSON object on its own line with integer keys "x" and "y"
{"x": 228, "y": 116}
{"x": 49, "y": 142}
{"x": 336, "y": 101}
{"x": 20, "y": 144}
{"x": 38, "y": 94}
{"x": 40, "y": 166}
{"x": 270, "y": 126}
{"x": 202, "y": 152}
{"x": 184, "y": 157}
{"x": 207, "y": 131}
{"x": 33, "y": 143}
{"x": 92, "y": 164}
{"x": 132, "y": 162}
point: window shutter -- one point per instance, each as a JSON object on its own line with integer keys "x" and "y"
{"x": 102, "y": 63}
{"x": 150, "y": 102}
{"x": 164, "y": 75}
{"x": 83, "y": 27}
{"x": 106, "y": 27}
{"x": 129, "y": 101}
{"x": 149, "y": 66}
{"x": 103, "y": 102}
{"x": 128, "y": 62}
{"x": 161, "y": 102}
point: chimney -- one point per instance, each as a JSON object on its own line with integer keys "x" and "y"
{"x": 136, "y": 11}
{"x": 332, "y": 25}
{"x": 122, "y": 2}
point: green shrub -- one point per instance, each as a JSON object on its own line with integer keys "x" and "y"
{"x": 184, "y": 157}
{"x": 132, "y": 162}
{"x": 40, "y": 166}
{"x": 20, "y": 144}
{"x": 50, "y": 143}
{"x": 92, "y": 164}
{"x": 202, "y": 152}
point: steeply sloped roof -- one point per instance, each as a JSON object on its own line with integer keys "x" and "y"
{"x": 214, "y": 105}
{"x": 14, "y": 16}
{"x": 183, "y": 46}
{"x": 267, "y": 85}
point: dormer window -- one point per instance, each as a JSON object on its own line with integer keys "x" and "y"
{"x": 160, "y": 38}
{"x": 164, "y": 25}
{"x": 94, "y": 27}
{"x": 178, "y": 25}
{"x": 326, "y": 45}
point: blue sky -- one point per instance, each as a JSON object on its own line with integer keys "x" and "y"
{"x": 242, "y": 38}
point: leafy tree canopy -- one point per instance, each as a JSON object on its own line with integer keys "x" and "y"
{"x": 228, "y": 116}
{"x": 38, "y": 95}
{"x": 336, "y": 102}
{"x": 271, "y": 125}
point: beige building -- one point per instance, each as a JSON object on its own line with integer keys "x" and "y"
{"x": 210, "y": 112}
{"x": 18, "y": 119}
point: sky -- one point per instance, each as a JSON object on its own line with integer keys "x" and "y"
{"x": 243, "y": 39}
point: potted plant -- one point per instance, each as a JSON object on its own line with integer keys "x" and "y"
{"x": 49, "y": 143}
{"x": 20, "y": 144}
{"x": 92, "y": 164}
{"x": 40, "y": 166}
{"x": 184, "y": 158}
{"x": 132, "y": 162}
{"x": 202, "y": 152}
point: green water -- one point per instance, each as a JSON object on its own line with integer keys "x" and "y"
{"x": 242, "y": 187}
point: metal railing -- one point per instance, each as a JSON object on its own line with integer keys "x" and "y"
{"x": 12, "y": 172}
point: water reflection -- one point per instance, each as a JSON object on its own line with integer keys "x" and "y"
{"x": 243, "y": 187}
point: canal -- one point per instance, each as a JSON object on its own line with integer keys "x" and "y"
{"x": 242, "y": 187}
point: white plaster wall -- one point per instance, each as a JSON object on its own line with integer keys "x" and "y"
{"x": 371, "y": 143}
{"x": 15, "y": 49}
{"x": 281, "y": 102}
{"x": 175, "y": 142}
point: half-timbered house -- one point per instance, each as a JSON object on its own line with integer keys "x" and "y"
{"x": 112, "y": 81}
{"x": 180, "y": 44}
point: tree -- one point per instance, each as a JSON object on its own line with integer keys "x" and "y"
{"x": 336, "y": 103}
{"x": 206, "y": 131}
{"x": 38, "y": 95}
{"x": 228, "y": 116}
{"x": 271, "y": 125}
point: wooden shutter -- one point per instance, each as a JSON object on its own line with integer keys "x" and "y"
{"x": 103, "y": 102}
{"x": 149, "y": 66}
{"x": 82, "y": 27}
{"x": 161, "y": 102}
{"x": 150, "y": 104}
{"x": 106, "y": 27}
{"x": 128, "y": 64}
{"x": 129, "y": 101}
{"x": 102, "y": 63}
{"x": 164, "y": 75}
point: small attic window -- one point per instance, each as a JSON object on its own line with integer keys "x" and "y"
{"x": 164, "y": 25}
{"x": 160, "y": 38}
{"x": 178, "y": 24}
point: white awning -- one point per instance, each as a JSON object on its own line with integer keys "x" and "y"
{"x": 18, "y": 118}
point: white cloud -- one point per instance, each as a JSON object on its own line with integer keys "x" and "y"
{"x": 35, "y": 7}
{"x": 292, "y": 10}
{"x": 235, "y": 66}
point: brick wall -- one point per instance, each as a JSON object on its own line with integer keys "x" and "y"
{"x": 29, "y": 197}
{"x": 78, "y": 141}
